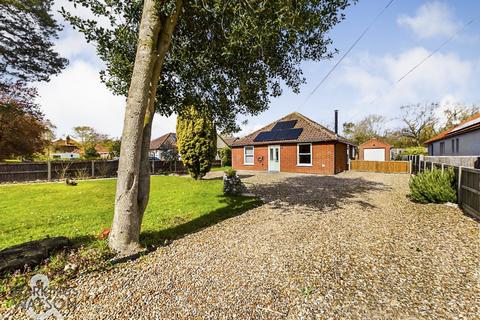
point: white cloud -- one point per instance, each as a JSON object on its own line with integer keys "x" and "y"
{"x": 433, "y": 19}
{"x": 162, "y": 125}
{"x": 443, "y": 78}
{"x": 77, "y": 97}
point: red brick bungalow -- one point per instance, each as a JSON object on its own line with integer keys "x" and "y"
{"x": 293, "y": 143}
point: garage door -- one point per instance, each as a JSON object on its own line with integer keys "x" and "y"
{"x": 374, "y": 154}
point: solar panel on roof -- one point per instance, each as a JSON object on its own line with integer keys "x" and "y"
{"x": 282, "y": 125}
{"x": 278, "y": 135}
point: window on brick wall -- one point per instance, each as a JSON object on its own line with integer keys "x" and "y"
{"x": 248, "y": 158}
{"x": 304, "y": 154}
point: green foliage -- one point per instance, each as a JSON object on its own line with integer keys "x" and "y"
{"x": 369, "y": 127}
{"x": 196, "y": 141}
{"x": 230, "y": 172}
{"x": 22, "y": 125}
{"x": 226, "y": 156}
{"x": 231, "y": 56}
{"x": 90, "y": 153}
{"x": 26, "y": 42}
{"x": 412, "y": 151}
{"x": 433, "y": 187}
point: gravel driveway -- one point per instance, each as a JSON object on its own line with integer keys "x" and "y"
{"x": 345, "y": 246}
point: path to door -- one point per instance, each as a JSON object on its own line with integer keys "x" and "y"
{"x": 345, "y": 246}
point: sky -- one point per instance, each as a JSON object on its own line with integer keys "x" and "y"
{"x": 364, "y": 83}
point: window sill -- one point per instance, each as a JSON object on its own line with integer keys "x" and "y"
{"x": 249, "y": 164}
{"x": 304, "y": 165}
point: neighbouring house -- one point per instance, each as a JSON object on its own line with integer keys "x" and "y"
{"x": 168, "y": 142}
{"x": 374, "y": 150}
{"x": 293, "y": 143}
{"x": 461, "y": 140}
{"x": 65, "y": 149}
{"x": 160, "y": 146}
{"x": 102, "y": 151}
{"x": 223, "y": 142}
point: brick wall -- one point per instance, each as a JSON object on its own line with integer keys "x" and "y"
{"x": 375, "y": 144}
{"x": 340, "y": 157}
{"x": 322, "y": 161}
{"x": 258, "y": 152}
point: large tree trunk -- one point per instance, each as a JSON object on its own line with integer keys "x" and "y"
{"x": 133, "y": 184}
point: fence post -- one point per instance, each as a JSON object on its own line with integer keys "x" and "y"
{"x": 459, "y": 186}
{"x": 431, "y": 166}
{"x": 424, "y": 165}
{"x": 49, "y": 170}
{"x": 410, "y": 166}
{"x": 93, "y": 168}
{"x": 443, "y": 167}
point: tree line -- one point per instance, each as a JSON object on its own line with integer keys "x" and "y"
{"x": 417, "y": 124}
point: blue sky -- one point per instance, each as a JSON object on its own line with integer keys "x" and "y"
{"x": 363, "y": 84}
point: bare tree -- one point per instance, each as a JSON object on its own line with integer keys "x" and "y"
{"x": 372, "y": 126}
{"x": 419, "y": 122}
{"x": 459, "y": 113}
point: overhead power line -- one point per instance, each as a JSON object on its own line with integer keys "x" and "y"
{"x": 347, "y": 52}
{"x": 443, "y": 44}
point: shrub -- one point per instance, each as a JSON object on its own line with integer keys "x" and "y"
{"x": 226, "y": 155}
{"x": 412, "y": 151}
{"x": 433, "y": 186}
{"x": 196, "y": 140}
{"x": 91, "y": 153}
{"x": 230, "y": 173}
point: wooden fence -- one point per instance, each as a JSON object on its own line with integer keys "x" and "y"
{"x": 467, "y": 181}
{"x": 78, "y": 169}
{"x": 380, "y": 166}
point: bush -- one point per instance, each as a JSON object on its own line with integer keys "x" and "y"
{"x": 412, "y": 151}
{"x": 196, "y": 141}
{"x": 433, "y": 187}
{"x": 230, "y": 173}
{"x": 226, "y": 155}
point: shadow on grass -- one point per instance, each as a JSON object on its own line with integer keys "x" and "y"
{"x": 234, "y": 206}
{"x": 317, "y": 192}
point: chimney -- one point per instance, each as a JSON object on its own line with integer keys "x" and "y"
{"x": 336, "y": 121}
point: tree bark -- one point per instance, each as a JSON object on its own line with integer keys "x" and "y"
{"x": 133, "y": 184}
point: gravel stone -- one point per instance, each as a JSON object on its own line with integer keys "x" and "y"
{"x": 346, "y": 246}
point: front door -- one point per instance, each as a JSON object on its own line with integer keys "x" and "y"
{"x": 274, "y": 158}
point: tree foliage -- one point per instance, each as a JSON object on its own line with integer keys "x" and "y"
{"x": 419, "y": 122}
{"x": 458, "y": 113}
{"x": 27, "y": 29}
{"x": 228, "y": 56}
{"x": 226, "y": 156}
{"x": 91, "y": 153}
{"x": 23, "y": 129}
{"x": 225, "y": 57}
{"x": 196, "y": 141}
{"x": 89, "y": 137}
{"x": 369, "y": 127}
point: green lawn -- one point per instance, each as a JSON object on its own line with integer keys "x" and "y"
{"x": 220, "y": 168}
{"x": 178, "y": 205}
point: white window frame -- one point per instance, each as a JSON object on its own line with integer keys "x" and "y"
{"x": 245, "y": 156}
{"x": 310, "y": 153}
